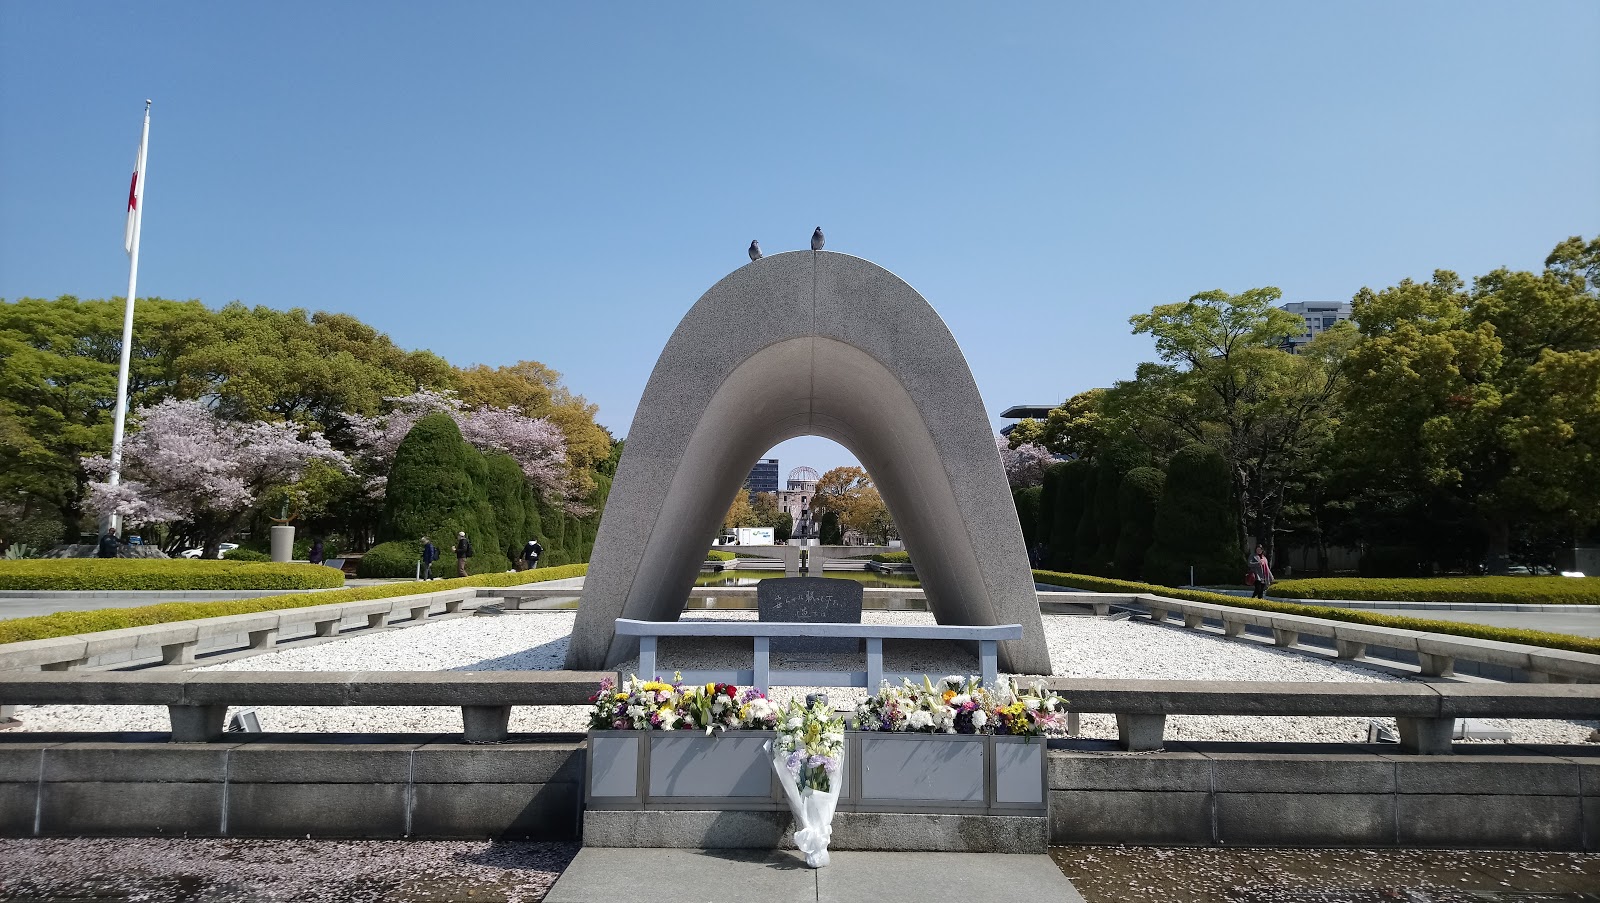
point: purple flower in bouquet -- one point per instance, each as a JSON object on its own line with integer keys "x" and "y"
{"x": 795, "y": 761}
{"x": 827, "y": 763}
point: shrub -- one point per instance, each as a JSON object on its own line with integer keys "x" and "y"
{"x": 1086, "y": 537}
{"x": 1195, "y": 524}
{"x": 1137, "y": 500}
{"x": 892, "y": 557}
{"x": 1027, "y": 503}
{"x": 161, "y": 574}
{"x": 1455, "y": 590}
{"x": 243, "y": 554}
{"x": 717, "y": 555}
{"x": 71, "y": 623}
{"x": 1589, "y": 645}
{"x": 396, "y": 559}
{"x": 1047, "y": 503}
{"x": 1072, "y": 484}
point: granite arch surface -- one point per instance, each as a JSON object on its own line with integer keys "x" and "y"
{"x": 810, "y": 343}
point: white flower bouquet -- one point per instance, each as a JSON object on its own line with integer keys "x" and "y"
{"x": 807, "y": 755}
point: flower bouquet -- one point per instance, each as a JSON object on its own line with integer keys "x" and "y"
{"x": 653, "y": 705}
{"x": 961, "y": 705}
{"x": 807, "y": 755}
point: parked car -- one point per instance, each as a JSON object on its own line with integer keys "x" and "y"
{"x": 222, "y": 549}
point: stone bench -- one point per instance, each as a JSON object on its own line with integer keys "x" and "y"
{"x": 197, "y": 701}
{"x": 1436, "y": 653}
{"x": 761, "y": 675}
{"x": 1425, "y": 713}
{"x": 177, "y": 641}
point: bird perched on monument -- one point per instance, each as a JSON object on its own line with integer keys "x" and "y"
{"x": 817, "y": 239}
{"x": 755, "y": 249}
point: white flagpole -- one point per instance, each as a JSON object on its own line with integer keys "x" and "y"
{"x": 115, "y": 521}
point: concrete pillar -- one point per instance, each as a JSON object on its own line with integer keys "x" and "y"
{"x": 7, "y": 712}
{"x": 178, "y": 653}
{"x": 1282, "y": 637}
{"x": 282, "y": 543}
{"x": 327, "y": 628}
{"x": 1426, "y": 736}
{"x": 451, "y": 606}
{"x": 1191, "y": 620}
{"x": 485, "y": 723}
{"x": 1350, "y": 648}
{"x": 262, "y": 640}
{"x": 1232, "y": 626}
{"x": 420, "y": 612}
{"x": 1141, "y": 733}
{"x": 377, "y": 619}
{"x": 1436, "y": 665}
{"x": 197, "y": 723}
{"x": 1158, "y": 615}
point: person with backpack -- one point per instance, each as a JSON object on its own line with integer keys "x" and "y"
{"x": 531, "y": 553}
{"x": 463, "y": 552}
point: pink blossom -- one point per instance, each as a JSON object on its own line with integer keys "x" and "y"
{"x": 183, "y": 463}
{"x": 1024, "y": 464}
{"x": 536, "y": 444}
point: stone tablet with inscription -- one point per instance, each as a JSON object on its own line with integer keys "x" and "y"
{"x": 811, "y": 600}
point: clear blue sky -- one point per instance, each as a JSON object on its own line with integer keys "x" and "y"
{"x": 561, "y": 181}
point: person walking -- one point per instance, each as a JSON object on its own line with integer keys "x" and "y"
{"x": 463, "y": 552}
{"x": 430, "y": 554}
{"x": 315, "y": 556}
{"x": 1260, "y": 573}
{"x": 531, "y": 553}
{"x": 109, "y": 545}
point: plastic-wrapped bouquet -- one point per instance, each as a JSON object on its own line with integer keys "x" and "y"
{"x": 1032, "y": 712}
{"x": 807, "y": 755}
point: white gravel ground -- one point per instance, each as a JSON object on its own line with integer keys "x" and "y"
{"x": 1079, "y": 647}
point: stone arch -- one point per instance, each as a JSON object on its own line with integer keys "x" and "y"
{"x": 818, "y": 343}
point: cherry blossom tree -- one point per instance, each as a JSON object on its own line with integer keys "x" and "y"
{"x": 1024, "y": 464}
{"x": 536, "y": 444}
{"x": 183, "y": 464}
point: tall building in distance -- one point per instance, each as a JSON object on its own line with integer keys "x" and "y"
{"x": 763, "y": 477}
{"x": 795, "y": 500}
{"x": 1318, "y": 315}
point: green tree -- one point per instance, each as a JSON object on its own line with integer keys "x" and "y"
{"x": 1138, "y": 497}
{"x": 1225, "y": 380}
{"x": 1488, "y": 398}
{"x": 1072, "y": 484}
{"x": 438, "y": 487}
{"x": 1194, "y": 524}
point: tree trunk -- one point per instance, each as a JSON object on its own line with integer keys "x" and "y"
{"x": 1498, "y": 560}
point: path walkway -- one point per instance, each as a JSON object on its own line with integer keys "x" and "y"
{"x": 737, "y": 876}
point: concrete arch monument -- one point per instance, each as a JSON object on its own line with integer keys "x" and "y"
{"x": 810, "y": 343}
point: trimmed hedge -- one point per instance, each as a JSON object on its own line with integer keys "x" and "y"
{"x": 1352, "y": 615}
{"x": 162, "y": 574}
{"x": 242, "y": 554}
{"x": 717, "y": 555}
{"x": 892, "y": 557}
{"x": 1454, "y": 590}
{"x": 71, "y": 623}
{"x": 398, "y": 559}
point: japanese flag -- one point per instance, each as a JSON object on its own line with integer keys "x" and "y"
{"x": 135, "y": 198}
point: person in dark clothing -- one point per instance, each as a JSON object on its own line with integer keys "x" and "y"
{"x": 108, "y": 545}
{"x": 1260, "y": 573}
{"x": 531, "y": 553}
{"x": 430, "y": 554}
{"x": 315, "y": 556}
{"x": 463, "y": 552}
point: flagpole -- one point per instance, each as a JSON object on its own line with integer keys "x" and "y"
{"x": 115, "y": 521}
